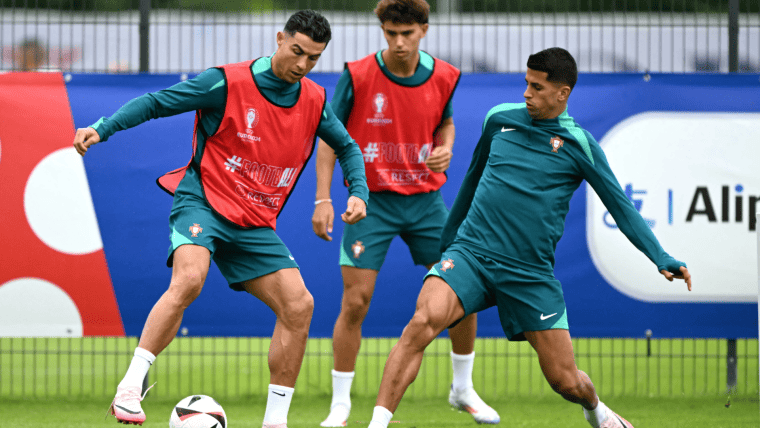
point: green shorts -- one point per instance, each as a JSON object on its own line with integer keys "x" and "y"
{"x": 527, "y": 301}
{"x": 418, "y": 219}
{"x": 241, "y": 254}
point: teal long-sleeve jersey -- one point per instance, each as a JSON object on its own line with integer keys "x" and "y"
{"x": 208, "y": 92}
{"x": 515, "y": 196}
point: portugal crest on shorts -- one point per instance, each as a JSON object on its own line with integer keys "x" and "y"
{"x": 447, "y": 264}
{"x": 195, "y": 229}
{"x": 556, "y": 143}
{"x": 358, "y": 249}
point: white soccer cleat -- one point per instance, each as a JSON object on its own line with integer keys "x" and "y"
{"x": 126, "y": 405}
{"x": 266, "y": 425}
{"x": 338, "y": 416}
{"x": 613, "y": 420}
{"x": 469, "y": 401}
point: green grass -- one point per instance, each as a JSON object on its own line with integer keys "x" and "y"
{"x": 533, "y": 412}
{"x": 236, "y": 367}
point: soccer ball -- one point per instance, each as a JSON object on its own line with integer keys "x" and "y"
{"x": 198, "y": 411}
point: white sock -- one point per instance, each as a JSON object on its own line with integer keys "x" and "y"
{"x": 597, "y": 416}
{"x": 341, "y": 383}
{"x": 462, "y": 365}
{"x": 138, "y": 368}
{"x": 278, "y": 404}
{"x": 381, "y": 417}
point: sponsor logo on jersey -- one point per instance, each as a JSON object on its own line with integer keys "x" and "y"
{"x": 255, "y": 197}
{"x": 195, "y": 229}
{"x": 379, "y": 105}
{"x": 248, "y": 137}
{"x": 251, "y": 118}
{"x": 401, "y": 177}
{"x": 556, "y": 143}
{"x": 447, "y": 264}
{"x": 268, "y": 175}
{"x": 397, "y": 153}
{"x": 357, "y": 249}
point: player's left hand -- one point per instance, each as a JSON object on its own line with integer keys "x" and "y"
{"x": 685, "y": 275}
{"x": 439, "y": 160}
{"x": 356, "y": 210}
{"x": 84, "y": 138}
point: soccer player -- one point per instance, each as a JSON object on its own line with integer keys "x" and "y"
{"x": 397, "y": 104}
{"x": 498, "y": 242}
{"x": 226, "y": 200}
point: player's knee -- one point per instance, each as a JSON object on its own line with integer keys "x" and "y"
{"x": 297, "y": 312}
{"x": 422, "y": 329}
{"x": 355, "y": 307}
{"x": 184, "y": 289}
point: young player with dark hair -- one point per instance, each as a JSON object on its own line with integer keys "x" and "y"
{"x": 397, "y": 104}
{"x": 499, "y": 240}
{"x": 227, "y": 199}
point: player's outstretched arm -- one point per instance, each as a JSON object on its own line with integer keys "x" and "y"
{"x": 84, "y": 138}
{"x": 684, "y": 275}
{"x": 356, "y": 210}
{"x": 322, "y": 219}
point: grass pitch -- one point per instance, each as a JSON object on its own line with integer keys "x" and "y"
{"x": 539, "y": 412}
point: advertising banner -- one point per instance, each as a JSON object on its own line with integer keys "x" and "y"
{"x": 683, "y": 147}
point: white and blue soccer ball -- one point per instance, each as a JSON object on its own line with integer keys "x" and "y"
{"x": 198, "y": 411}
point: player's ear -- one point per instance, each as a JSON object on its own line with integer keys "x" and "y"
{"x": 424, "y": 28}
{"x": 564, "y": 93}
{"x": 280, "y": 38}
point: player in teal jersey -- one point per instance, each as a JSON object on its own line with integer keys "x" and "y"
{"x": 393, "y": 102}
{"x": 500, "y": 237}
{"x": 252, "y": 258}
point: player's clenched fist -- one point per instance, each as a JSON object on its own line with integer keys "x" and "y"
{"x": 439, "y": 160}
{"x": 356, "y": 210}
{"x": 84, "y": 138}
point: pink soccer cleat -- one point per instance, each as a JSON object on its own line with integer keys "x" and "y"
{"x": 615, "y": 421}
{"x": 126, "y": 405}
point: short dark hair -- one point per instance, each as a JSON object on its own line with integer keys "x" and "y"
{"x": 309, "y": 23}
{"x": 403, "y": 11}
{"x": 557, "y": 63}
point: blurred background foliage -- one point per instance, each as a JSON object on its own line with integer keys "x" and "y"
{"x": 532, "y": 6}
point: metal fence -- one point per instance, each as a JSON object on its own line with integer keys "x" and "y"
{"x": 187, "y": 36}
{"x": 489, "y": 36}
{"x": 237, "y": 367}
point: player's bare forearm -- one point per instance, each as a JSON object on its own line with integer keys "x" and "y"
{"x": 325, "y": 167}
{"x": 444, "y": 135}
{"x": 440, "y": 158}
{"x": 322, "y": 219}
